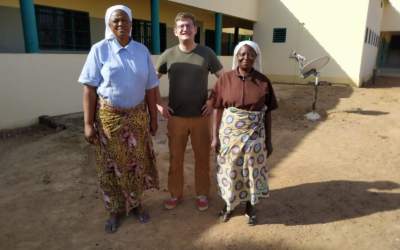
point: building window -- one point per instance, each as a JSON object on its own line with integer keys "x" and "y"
{"x": 228, "y": 41}
{"x": 378, "y": 38}
{"x": 369, "y": 37}
{"x": 279, "y": 35}
{"x": 61, "y": 29}
{"x": 210, "y": 39}
{"x": 373, "y": 38}
{"x": 374, "y": 41}
{"x": 141, "y": 32}
{"x": 197, "y": 37}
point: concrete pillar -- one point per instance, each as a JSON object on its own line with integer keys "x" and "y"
{"x": 29, "y": 26}
{"x": 218, "y": 33}
{"x": 155, "y": 27}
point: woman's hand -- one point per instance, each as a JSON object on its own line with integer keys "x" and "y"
{"x": 215, "y": 144}
{"x": 89, "y": 110}
{"x": 153, "y": 126}
{"x": 90, "y": 134}
{"x": 207, "y": 109}
{"x": 270, "y": 149}
{"x": 164, "y": 110}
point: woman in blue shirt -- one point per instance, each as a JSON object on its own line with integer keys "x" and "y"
{"x": 120, "y": 89}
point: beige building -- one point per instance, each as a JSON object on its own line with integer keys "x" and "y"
{"x": 359, "y": 36}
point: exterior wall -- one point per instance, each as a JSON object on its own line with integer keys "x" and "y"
{"x": 38, "y": 84}
{"x": 169, "y": 9}
{"x": 12, "y": 38}
{"x": 140, "y": 9}
{"x": 313, "y": 34}
{"x": 14, "y": 41}
{"x": 373, "y": 22}
{"x": 391, "y": 19}
{"x": 10, "y": 3}
{"x": 96, "y": 29}
{"x": 238, "y": 8}
{"x": 46, "y": 84}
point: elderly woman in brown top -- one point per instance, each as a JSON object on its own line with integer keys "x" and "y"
{"x": 243, "y": 99}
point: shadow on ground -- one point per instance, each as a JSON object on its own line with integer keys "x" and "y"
{"x": 48, "y": 186}
{"x": 328, "y": 202}
{"x": 382, "y": 82}
{"x": 289, "y": 125}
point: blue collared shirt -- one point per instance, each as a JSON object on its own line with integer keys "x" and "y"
{"x": 121, "y": 74}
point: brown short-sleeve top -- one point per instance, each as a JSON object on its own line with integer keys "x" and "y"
{"x": 251, "y": 92}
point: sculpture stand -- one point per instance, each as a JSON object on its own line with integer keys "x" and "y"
{"x": 313, "y": 115}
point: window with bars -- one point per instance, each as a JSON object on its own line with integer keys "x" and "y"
{"x": 210, "y": 39}
{"x": 228, "y": 43}
{"x": 141, "y": 32}
{"x": 62, "y": 29}
{"x": 279, "y": 35}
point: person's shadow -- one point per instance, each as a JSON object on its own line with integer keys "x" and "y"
{"x": 324, "y": 202}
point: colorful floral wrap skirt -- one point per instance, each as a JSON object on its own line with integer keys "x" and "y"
{"x": 241, "y": 163}
{"x": 126, "y": 164}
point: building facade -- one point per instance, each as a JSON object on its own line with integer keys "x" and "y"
{"x": 43, "y": 43}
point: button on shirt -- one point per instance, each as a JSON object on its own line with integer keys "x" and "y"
{"x": 121, "y": 74}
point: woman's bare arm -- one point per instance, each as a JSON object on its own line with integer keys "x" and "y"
{"x": 89, "y": 110}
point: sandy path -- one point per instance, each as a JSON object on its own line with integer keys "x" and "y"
{"x": 335, "y": 184}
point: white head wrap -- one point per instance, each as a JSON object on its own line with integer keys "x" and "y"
{"x": 257, "y": 62}
{"x": 109, "y": 34}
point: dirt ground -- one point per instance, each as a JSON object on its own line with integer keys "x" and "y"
{"x": 335, "y": 184}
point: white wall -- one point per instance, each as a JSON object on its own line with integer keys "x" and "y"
{"x": 315, "y": 28}
{"x": 238, "y": 8}
{"x": 391, "y": 19}
{"x": 46, "y": 84}
{"x": 12, "y": 37}
{"x": 370, "y": 51}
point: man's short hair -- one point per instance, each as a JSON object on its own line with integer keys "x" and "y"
{"x": 185, "y": 15}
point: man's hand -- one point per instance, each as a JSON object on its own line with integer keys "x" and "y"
{"x": 270, "y": 149}
{"x": 164, "y": 110}
{"x": 207, "y": 109}
{"x": 90, "y": 134}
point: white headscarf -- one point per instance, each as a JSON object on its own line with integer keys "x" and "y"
{"x": 109, "y": 34}
{"x": 257, "y": 62}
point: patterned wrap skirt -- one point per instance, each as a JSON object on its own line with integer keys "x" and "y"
{"x": 126, "y": 164}
{"x": 242, "y": 173}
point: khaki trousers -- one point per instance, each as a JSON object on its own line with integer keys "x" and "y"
{"x": 179, "y": 130}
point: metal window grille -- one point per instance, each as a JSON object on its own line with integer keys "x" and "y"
{"x": 62, "y": 29}
{"x": 279, "y": 35}
{"x": 141, "y": 32}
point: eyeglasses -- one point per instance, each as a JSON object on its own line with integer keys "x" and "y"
{"x": 183, "y": 26}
